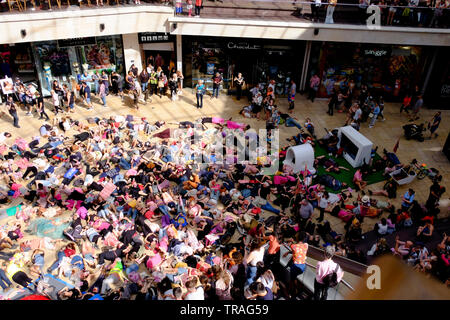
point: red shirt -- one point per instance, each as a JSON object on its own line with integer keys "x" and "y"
{"x": 69, "y": 252}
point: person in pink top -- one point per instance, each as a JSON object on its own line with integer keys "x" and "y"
{"x": 323, "y": 269}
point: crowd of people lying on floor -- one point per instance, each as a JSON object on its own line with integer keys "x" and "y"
{"x": 128, "y": 213}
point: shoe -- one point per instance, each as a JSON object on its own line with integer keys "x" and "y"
{"x": 384, "y": 119}
{"x": 370, "y": 192}
{"x": 370, "y": 127}
{"x": 17, "y": 126}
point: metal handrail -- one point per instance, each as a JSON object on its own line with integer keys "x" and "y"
{"x": 348, "y": 285}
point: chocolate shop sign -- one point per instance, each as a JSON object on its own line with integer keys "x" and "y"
{"x": 243, "y": 46}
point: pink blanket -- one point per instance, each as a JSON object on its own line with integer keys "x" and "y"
{"x": 107, "y": 190}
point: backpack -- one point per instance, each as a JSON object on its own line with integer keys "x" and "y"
{"x": 330, "y": 280}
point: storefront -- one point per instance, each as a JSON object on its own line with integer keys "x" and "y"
{"x": 158, "y": 49}
{"x": 437, "y": 90}
{"x": 65, "y": 60}
{"x": 256, "y": 59}
{"x": 17, "y": 61}
{"x": 387, "y": 70}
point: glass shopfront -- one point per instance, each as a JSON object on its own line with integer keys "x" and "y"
{"x": 17, "y": 61}
{"x": 65, "y": 60}
{"x": 258, "y": 60}
{"x": 387, "y": 70}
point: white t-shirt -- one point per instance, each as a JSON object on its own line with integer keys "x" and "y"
{"x": 198, "y": 294}
{"x": 382, "y": 229}
{"x": 2, "y": 137}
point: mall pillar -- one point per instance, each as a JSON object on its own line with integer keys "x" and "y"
{"x": 132, "y": 51}
{"x": 179, "y": 53}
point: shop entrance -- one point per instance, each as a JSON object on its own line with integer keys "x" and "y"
{"x": 160, "y": 55}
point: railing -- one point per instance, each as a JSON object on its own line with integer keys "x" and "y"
{"x": 373, "y": 15}
{"x": 44, "y": 5}
{"x": 307, "y": 277}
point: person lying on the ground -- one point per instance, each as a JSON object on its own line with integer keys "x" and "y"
{"x": 402, "y": 248}
{"x": 331, "y": 182}
{"x": 389, "y": 190}
{"x": 383, "y": 205}
{"x": 329, "y": 164}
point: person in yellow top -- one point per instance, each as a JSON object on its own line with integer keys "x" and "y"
{"x": 15, "y": 271}
{"x": 115, "y": 275}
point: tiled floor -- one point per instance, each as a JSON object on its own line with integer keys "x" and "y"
{"x": 384, "y": 134}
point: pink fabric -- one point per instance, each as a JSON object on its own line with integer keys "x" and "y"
{"x": 154, "y": 261}
{"x": 21, "y": 143}
{"x": 326, "y": 267}
{"x": 280, "y": 180}
{"x": 163, "y": 244}
{"x": 71, "y": 203}
{"x": 111, "y": 240}
{"x": 131, "y": 172}
{"x": 234, "y": 125}
{"x": 344, "y": 215}
{"x": 107, "y": 190}
{"x": 3, "y": 148}
{"x": 82, "y": 212}
{"x": 217, "y": 120}
{"x": 22, "y": 163}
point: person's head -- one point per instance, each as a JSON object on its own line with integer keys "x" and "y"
{"x": 437, "y": 114}
{"x": 177, "y": 293}
{"x": 258, "y": 288}
{"x": 7, "y": 134}
{"x": 83, "y": 84}
{"x": 200, "y": 82}
{"x": 329, "y": 252}
{"x": 383, "y": 221}
{"x": 239, "y": 74}
{"x": 411, "y": 191}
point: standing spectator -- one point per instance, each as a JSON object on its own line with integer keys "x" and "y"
{"x": 143, "y": 78}
{"x": 87, "y": 95}
{"x": 200, "y": 91}
{"x": 330, "y": 11}
{"x": 363, "y": 4}
{"x": 406, "y": 103}
{"x": 71, "y": 100}
{"x": 217, "y": 81}
{"x": 96, "y": 78}
{"x": 102, "y": 93}
{"x": 153, "y": 80}
{"x": 416, "y": 108}
{"x": 375, "y": 112}
{"x": 407, "y": 199}
{"x": 162, "y": 84}
{"x": 291, "y": 96}
{"x": 56, "y": 102}
{"x": 198, "y": 7}
{"x": 189, "y": 7}
{"x": 239, "y": 81}
{"x": 332, "y": 102}
{"x": 105, "y": 78}
{"x": 117, "y": 81}
{"x": 134, "y": 70}
{"x": 298, "y": 263}
{"x": 434, "y": 124}
{"x": 41, "y": 106}
{"x": 313, "y": 87}
{"x": 315, "y": 7}
{"x": 324, "y": 271}
{"x": 180, "y": 79}
{"x": 173, "y": 86}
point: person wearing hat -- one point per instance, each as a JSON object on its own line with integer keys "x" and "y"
{"x": 324, "y": 271}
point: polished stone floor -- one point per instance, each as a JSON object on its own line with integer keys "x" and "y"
{"x": 384, "y": 134}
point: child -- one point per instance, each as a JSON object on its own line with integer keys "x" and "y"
{"x": 189, "y": 7}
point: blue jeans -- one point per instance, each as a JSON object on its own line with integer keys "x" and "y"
{"x": 55, "y": 264}
{"x": 269, "y": 207}
{"x": 199, "y": 100}
{"x": 132, "y": 212}
{"x": 164, "y": 209}
{"x": 215, "y": 92}
{"x": 4, "y": 281}
{"x": 96, "y": 86}
{"x": 103, "y": 100}
{"x": 124, "y": 164}
{"x": 292, "y": 123}
{"x": 144, "y": 86}
{"x": 251, "y": 274}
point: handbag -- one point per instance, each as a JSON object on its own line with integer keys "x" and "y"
{"x": 330, "y": 280}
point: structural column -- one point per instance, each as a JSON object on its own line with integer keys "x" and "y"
{"x": 132, "y": 51}
{"x": 304, "y": 76}
{"x": 179, "y": 53}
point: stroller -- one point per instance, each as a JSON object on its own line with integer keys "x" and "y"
{"x": 414, "y": 131}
